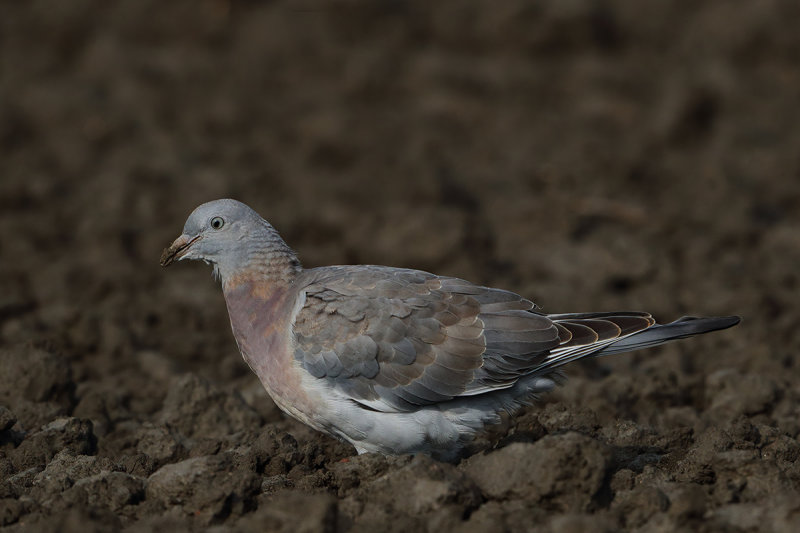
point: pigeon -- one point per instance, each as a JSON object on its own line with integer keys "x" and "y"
{"x": 395, "y": 360}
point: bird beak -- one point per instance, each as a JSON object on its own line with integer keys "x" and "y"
{"x": 177, "y": 249}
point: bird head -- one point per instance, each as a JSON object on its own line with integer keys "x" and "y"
{"x": 236, "y": 241}
{"x": 215, "y": 232}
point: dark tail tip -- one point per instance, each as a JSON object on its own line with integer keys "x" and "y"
{"x": 704, "y": 325}
{"x": 661, "y": 333}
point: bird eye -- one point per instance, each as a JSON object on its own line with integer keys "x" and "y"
{"x": 217, "y": 222}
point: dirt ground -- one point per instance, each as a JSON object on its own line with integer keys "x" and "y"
{"x": 597, "y": 155}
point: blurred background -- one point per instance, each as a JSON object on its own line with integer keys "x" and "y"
{"x": 590, "y": 155}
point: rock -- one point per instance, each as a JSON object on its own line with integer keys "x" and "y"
{"x": 292, "y": 512}
{"x": 7, "y": 418}
{"x": 622, "y": 480}
{"x": 139, "y": 465}
{"x": 502, "y": 516}
{"x": 198, "y": 410}
{"x": 18, "y": 484}
{"x": 206, "y": 486}
{"x": 781, "y": 516}
{"x": 687, "y": 500}
{"x": 107, "y": 490}
{"x": 74, "y": 520}
{"x": 566, "y": 470}
{"x": 35, "y": 375}
{"x": 66, "y": 468}
{"x": 635, "y": 507}
{"x": 6, "y": 466}
{"x": 10, "y": 510}
{"x": 161, "y": 443}
{"x": 730, "y": 394}
{"x": 35, "y": 384}
{"x": 72, "y": 434}
{"x": 422, "y": 486}
{"x": 377, "y": 515}
{"x": 162, "y": 524}
{"x": 404, "y": 494}
{"x": 579, "y": 523}
{"x": 558, "y": 418}
{"x": 354, "y": 471}
{"x": 102, "y": 407}
{"x": 784, "y": 450}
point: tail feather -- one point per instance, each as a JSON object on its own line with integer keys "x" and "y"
{"x": 612, "y": 333}
{"x": 660, "y": 333}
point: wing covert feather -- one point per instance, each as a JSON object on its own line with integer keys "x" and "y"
{"x": 409, "y": 338}
{"x": 396, "y": 339}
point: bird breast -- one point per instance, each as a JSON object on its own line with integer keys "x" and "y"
{"x": 261, "y": 315}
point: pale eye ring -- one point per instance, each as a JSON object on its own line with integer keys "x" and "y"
{"x": 216, "y": 223}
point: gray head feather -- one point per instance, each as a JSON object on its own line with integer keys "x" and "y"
{"x": 233, "y": 238}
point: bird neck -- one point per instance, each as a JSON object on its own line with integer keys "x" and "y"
{"x": 263, "y": 258}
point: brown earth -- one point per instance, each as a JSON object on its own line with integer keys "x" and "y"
{"x": 593, "y": 155}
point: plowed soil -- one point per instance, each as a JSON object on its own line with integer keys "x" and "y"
{"x": 591, "y": 156}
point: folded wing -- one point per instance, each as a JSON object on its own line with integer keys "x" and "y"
{"x": 395, "y": 339}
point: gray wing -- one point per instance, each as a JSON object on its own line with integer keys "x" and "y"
{"x": 396, "y": 339}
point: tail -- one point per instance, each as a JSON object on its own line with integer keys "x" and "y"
{"x": 599, "y": 334}
{"x": 660, "y": 333}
